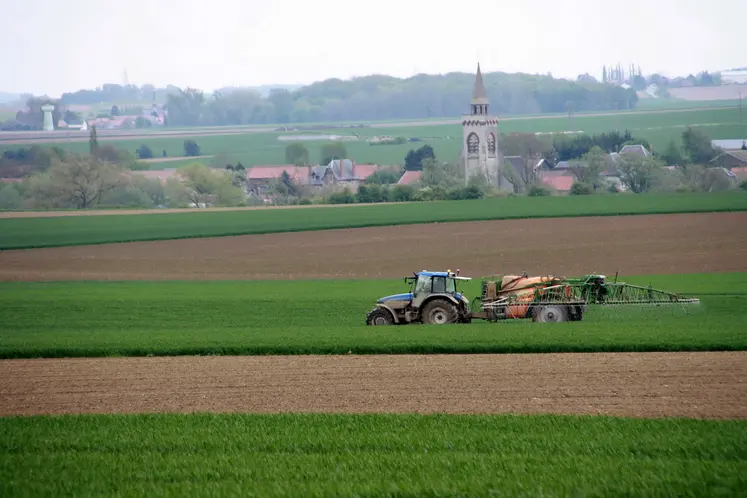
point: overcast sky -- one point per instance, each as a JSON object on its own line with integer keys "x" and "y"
{"x": 55, "y": 46}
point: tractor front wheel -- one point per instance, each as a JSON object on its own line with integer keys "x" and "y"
{"x": 439, "y": 312}
{"x": 550, "y": 314}
{"x": 379, "y": 316}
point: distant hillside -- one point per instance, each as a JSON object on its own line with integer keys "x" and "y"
{"x": 263, "y": 90}
{"x": 6, "y": 97}
{"x": 378, "y": 97}
{"x": 368, "y": 98}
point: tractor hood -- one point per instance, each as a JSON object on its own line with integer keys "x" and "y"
{"x": 407, "y": 296}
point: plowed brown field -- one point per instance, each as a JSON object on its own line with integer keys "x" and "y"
{"x": 704, "y": 385}
{"x": 629, "y": 244}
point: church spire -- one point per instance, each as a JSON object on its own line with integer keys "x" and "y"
{"x": 479, "y": 95}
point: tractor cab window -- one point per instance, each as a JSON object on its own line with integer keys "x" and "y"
{"x": 444, "y": 285}
{"x": 439, "y": 285}
{"x": 451, "y": 285}
{"x": 423, "y": 285}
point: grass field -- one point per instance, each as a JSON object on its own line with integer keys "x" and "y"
{"x": 16, "y": 233}
{"x": 263, "y": 147}
{"x": 327, "y": 317}
{"x": 370, "y": 455}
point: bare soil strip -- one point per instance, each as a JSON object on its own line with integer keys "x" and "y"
{"x": 702, "y": 385}
{"x": 655, "y": 244}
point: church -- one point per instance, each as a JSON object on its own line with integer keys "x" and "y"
{"x": 480, "y": 154}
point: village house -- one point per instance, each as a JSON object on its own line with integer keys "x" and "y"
{"x": 730, "y": 159}
{"x": 338, "y": 173}
{"x": 410, "y": 177}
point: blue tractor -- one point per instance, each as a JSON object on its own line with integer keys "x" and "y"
{"x": 433, "y": 299}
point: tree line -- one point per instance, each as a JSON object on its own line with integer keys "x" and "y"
{"x": 373, "y": 98}
{"x": 367, "y": 98}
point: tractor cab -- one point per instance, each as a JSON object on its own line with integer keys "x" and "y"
{"x": 433, "y": 298}
{"x": 427, "y": 283}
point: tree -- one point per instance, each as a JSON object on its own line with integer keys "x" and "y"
{"x": 185, "y": 107}
{"x": 440, "y": 175}
{"x": 383, "y": 177}
{"x": 526, "y": 145}
{"x": 78, "y": 181}
{"x": 282, "y": 102}
{"x": 238, "y": 175}
{"x": 144, "y": 152}
{"x": 202, "y": 185}
{"x": 114, "y": 111}
{"x": 10, "y": 198}
{"x": 415, "y": 157}
{"x": 297, "y": 154}
{"x": 638, "y": 172}
{"x": 697, "y": 145}
{"x": 191, "y": 148}
{"x": 142, "y": 122}
{"x": 93, "y": 140}
{"x": 588, "y": 171}
{"x": 672, "y": 155}
{"x": 333, "y": 150}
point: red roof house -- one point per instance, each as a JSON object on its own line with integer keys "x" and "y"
{"x": 410, "y": 177}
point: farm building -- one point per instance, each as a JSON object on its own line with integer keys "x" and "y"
{"x": 559, "y": 181}
{"x": 639, "y": 150}
{"x": 259, "y": 177}
{"x": 731, "y": 159}
{"x": 410, "y": 177}
{"x": 345, "y": 172}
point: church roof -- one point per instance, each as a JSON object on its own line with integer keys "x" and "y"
{"x": 479, "y": 95}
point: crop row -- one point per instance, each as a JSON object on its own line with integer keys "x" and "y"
{"x": 18, "y": 233}
{"x": 282, "y": 317}
{"x": 367, "y": 455}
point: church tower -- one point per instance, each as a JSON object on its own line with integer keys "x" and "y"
{"x": 480, "y": 135}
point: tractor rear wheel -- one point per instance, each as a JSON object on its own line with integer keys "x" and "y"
{"x": 379, "y": 316}
{"x": 550, "y": 314}
{"x": 439, "y": 312}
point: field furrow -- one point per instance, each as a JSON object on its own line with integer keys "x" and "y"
{"x": 703, "y": 385}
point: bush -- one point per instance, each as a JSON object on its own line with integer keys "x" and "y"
{"x": 612, "y": 189}
{"x": 10, "y": 198}
{"x": 580, "y": 189}
{"x": 464, "y": 193}
{"x": 436, "y": 193}
{"x": 304, "y": 202}
{"x": 537, "y": 191}
{"x": 191, "y": 148}
{"x": 344, "y": 197}
{"x": 743, "y": 185}
{"x": 144, "y": 152}
{"x": 401, "y": 193}
{"x": 372, "y": 193}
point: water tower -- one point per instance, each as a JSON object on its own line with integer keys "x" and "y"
{"x": 48, "y": 122}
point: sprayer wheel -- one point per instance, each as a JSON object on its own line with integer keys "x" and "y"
{"x": 550, "y": 314}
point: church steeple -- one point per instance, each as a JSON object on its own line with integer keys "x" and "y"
{"x": 480, "y": 100}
